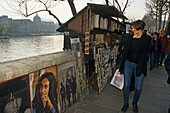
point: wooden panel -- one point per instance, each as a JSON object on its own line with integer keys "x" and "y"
{"x": 85, "y": 22}
{"x": 76, "y": 23}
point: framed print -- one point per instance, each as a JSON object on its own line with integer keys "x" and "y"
{"x": 68, "y": 84}
{"x": 45, "y": 90}
{"x": 14, "y": 96}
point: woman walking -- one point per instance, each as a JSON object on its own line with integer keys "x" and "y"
{"x": 134, "y": 60}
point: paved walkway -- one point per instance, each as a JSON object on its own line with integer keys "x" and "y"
{"x": 155, "y": 97}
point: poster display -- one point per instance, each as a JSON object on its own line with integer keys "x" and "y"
{"x": 14, "y": 95}
{"x": 103, "y": 67}
{"x": 80, "y": 69}
{"x": 68, "y": 84}
{"x": 99, "y": 38}
{"x": 44, "y": 88}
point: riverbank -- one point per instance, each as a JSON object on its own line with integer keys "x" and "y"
{"x": 40, "y": 34}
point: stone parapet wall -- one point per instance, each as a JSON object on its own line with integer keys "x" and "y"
{"x": 11, "y": 69}
{"x": 25, "y": 81}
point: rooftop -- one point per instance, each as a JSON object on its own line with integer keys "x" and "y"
{"x": 103, "y": 10}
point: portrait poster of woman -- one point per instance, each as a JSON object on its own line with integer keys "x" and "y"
{"x": 68, "y": 84}
{"x": 45, "y": 91}
{"x": 14, "y": 95}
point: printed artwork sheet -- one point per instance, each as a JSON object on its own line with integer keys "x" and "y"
{"x": 44, "y": 87}
{"x": 14, "y": 95}
{"x": 68, "y": 84}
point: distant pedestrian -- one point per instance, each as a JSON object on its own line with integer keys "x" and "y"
{"x": 145, "y": 31}
{"x": 134, "y": 60}
{"x": 130, "y": 30}
{"x": 164, "y": 45}
{"x": 168, "y": 48}
{"x": 155, "y": 51}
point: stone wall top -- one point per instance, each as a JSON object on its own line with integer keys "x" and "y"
{"x": 15, "y": 68}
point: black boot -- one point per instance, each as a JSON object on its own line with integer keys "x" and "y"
{"x": 135, "y": 107}
{"x": 150, "y": 69}
{"x": 125, "y": 107}
{"x": 157, "y": 66}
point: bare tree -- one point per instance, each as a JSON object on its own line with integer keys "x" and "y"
{"x": 167, "y": 26}
{"x": 30, "y": 7}
{"x": 122, "y": 7}
{"x": 151, "y": 8}
{"x": 157, "y": 8}
{"x": 107, "y": 2}
{"x": 167, "y": 12}
{"x": 72, "y": 6}
{"x": 150, "y": 22}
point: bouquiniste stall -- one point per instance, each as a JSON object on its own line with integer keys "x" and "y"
{"x": 98, "y": 29}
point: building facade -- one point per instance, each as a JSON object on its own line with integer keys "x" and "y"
{"x": 28, "y": 27}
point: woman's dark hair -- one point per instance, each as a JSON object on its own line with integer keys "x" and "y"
{"x": 138, "y": 24}
{"x": 37, "y": 103}
{"x": 156, "y": 34}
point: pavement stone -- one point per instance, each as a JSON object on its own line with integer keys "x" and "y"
{"x": 155, "y": 97}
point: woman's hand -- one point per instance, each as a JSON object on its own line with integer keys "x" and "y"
{"x": 49, "y": 104}
{"x": 46, "y": 101}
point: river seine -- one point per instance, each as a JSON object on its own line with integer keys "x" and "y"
{"x": 13, "y": 48}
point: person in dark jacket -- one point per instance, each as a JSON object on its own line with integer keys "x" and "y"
{"x": 134, "y": 60}
{"x": 167, "y": 68}
{"x": 155, "y": 51}
{"x": 165, "y": 44}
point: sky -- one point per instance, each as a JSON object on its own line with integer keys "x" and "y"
{"x": 135, "y": 11}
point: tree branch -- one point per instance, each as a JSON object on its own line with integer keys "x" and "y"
{"x": 107, "y": 2}
{"x": 125, "y": 5}
{"x": 50, "y": 13}
{"x": 55, "y": 17}
{"x": 27, "y": 15}
{"x": 73, "y": 9}
{"x": 118, "y": 5}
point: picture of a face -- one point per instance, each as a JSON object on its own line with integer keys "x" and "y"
{"x": 13, "y": 105}
{"x": 44, "y": 90}
{"x": 161, "y": 32}
{"x": 45, "y": 98}
{"x": 154, "y": 36}
{"x": 14, "y": 95}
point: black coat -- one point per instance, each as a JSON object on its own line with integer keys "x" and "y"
{"x": 145, "y": 45}
{"x": 167, "y": 67}
{"x": 167, "y": 64}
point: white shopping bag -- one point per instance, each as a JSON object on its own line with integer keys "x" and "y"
{"x": 118, "y": 80}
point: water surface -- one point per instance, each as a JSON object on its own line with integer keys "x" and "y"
{"x": 26, "y": 46}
